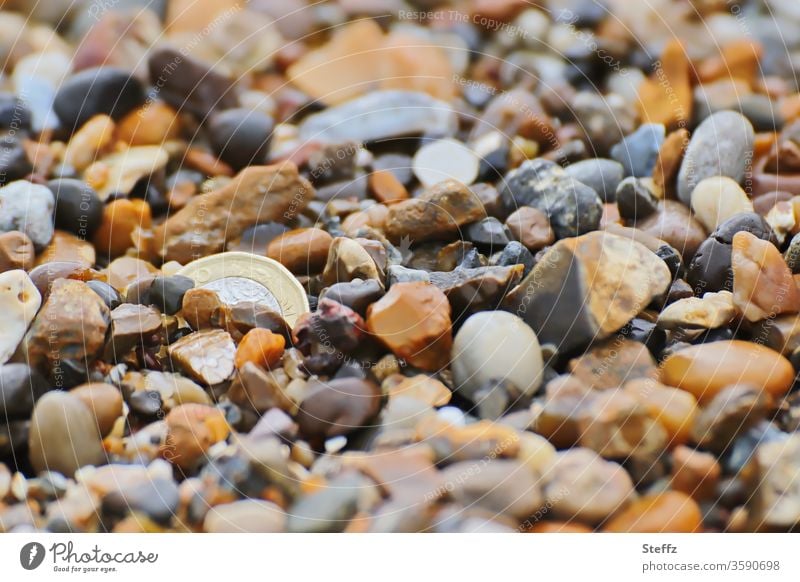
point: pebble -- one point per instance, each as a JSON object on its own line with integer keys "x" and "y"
{"x": 600, "y": 174}
{"x": 66, "y": 247}
{"x": 131, "y": 325}
{"x": 63, "y": 435}
{"x": 19, "y": 301}
{"x": 337, "y": 407}
{"x": 638, "y": 152}
{"x": 20, "y": 387}
{"x": 496, "y": 346}
{"x": 763, "y": 285}
{"x": 257, "y": 194}
{"x": 14, "y": 161}
{"x": 357, "y": 294}
{"x": 488, "y": 234}
{"x": 668, "y": 512}
{"x": 596, "y": 283}
{"x": 666, "y": 96}
{"x": 445, "y": 159}
{"x": 733, "y": 411}
{"x": 413, "y": 321}
{"x": 207, "y": 356}
{"x": 240, "y": 137}
{"x": 572, "y": 207}
{"x": 420, "y": 387}
{"x": 245, "y": 516}
{"x": 104, "y": 401}
{"x": 515, "y": 253}
{"x": 121, "y": 220}
{"x": 152, "y": 124}
{"x": 706, "y": 369}
{"x": 605, "y": 119}
{"x": 16, "y": 251}
{"x": 78, "y": 208}
{"x": 28, "y": 208}
{"x": 202, "y": 308}
{"x": 260, "y": 346}
{"x": 191, "y": 430}
{"x": 669, "y": 160}
{"x": 157, "y": 498}
{"x": 254, "y": 388}
{"x": 348, "y": 260}
{"x": 676, "y": 226}
{"x": 103, "y": 90}
{"x": 720, "y": 146}
{"x": 672, "y": 408}
{"x": 167, "y": 293}
{"x": 778, "y": 496}
{"x": 695, "y": 473}
{"x": 585, "y": 488}
{"x": 304, "y": 251}
{"x": 711, "y": 311}
{"x": 132, "y": 276}
{"x": 715, "y": 199}
{"x": 438, "y": 213}
{"x": 635, "y": 200}
{"x": 531, "y": 227}
{"x": 611, "y": 363}
{"x": 331, "y": 508}
{"x": 118, "y": 173}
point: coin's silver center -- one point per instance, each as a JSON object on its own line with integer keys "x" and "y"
{"x": 234, "y": 290}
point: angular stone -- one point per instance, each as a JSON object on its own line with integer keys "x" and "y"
{"x": 481, "y": 288}
{"x": 733, "y": 411}
{"x": 672, "y": 408}
{"x": 348, "y": 260}
{"x": 207, "y": 356}
{"x": 763, "y": 285}
{"x": 706, "y": 369}
{"x": 19, "y": 302}
{"x": 586, "y": 288}
{"x": 132, "y": 325}
{"x": 666, "y": 98}
{"x": 695, "y": 473}
{"x": 711, "y": 311}
{"x": 207, "y": 222}
{"x": 413, "y": 321}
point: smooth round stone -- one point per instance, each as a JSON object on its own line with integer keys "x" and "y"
{"x": 102, "y": 90}
{"x": 20, "y": 387}
{"x": 14, "y": 113}
{"x": 722, "y": 145}
{"x": 166, "y": 293}
{"x": 638, "y": 152}
{"x": 240, "y": 137}
{"x": 706, "y": 369}
{"x": 303, "y": 250}
{"x": 63, "y": 435}
{"x": 445, "y": 159}
{"x": 246, "y": 516}
{"x": 156, "y": 498}
{"x": 79, "y": 209}
{"x": 496, "y": 346}
{"x": 716, "y": 199}
{"x": 28, "y": 208}
{"x": 600, "y": 174}
{"x": 667, "y": 512}
{"x": 19, "y": 302}
{"x": 105, "y": 402}
{"x": 531, "y": 227}
{"x": 14, "y": 162}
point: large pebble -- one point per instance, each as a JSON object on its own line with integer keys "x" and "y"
{"x": 705, "y": 369}
{"x": 20, "y": 387}
{"x": 496, "y": 346}
{"x": 27, "y": 208}
{"x": 716, "y": 199}
{"x": 245, "y": 516}
{"x": 638, "y": 152}
{"x": 600, "y": 174}
{"x": 19, "y": 302}
{"x": 103, "y": 90}
{"x": 104, "y": 401}
{"x": 63, "y": 435}
{"x": 668, "y": 512}
{"x": 240, "y": 137}
{"x": 720, "y": 146}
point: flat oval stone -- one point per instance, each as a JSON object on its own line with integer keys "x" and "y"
{"x": 720, "y": 146}
{"x": 102, "y": 90}
{"x": 705, "y": 369}
{"x": 496, "y": 346}
{"x": 63, "y": 435}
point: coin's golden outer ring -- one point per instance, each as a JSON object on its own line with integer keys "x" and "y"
{"x": 271, "y": 274}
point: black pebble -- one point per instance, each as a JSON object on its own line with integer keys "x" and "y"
{"x": 635, "y": 201}
{"x": 20, "y": 387}
{"x": 14, "y": 115}
{"x": 106, "y": 292}
{"x": 167, "y": 293}
{"x": 14, "y": 162}
{"x": 516, "y": 253}
{"x": 79, "y": 209}
{"x": 489, "y": 234}
{"x": 146, "y": 404}
{"x": 240, "y": 137}
{"x": 101, "y": 90}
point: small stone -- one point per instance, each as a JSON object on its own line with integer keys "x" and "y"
{"x": 63, "y": 435}
{"x": 303, "y": 251}
{"x": 694, "y": 473}
{"x": 167, "y": 293}
{"x": 668, "y": 512}
{"x": 716, "y": 199}
{"x": 515, "y": 254}
{"x": 131, "y": 325}
{"x": 257, "y": 194}
{"x": 720, "y": 146}
{"x": 445, "y": 159}
{"x": 638, "y": 152}
{"x": 420, "y": 387}
{"x": 207, "y": 356}
{"x": 104, "y": 401}
{"x": 413, "y": 321}
{"x": 245, "y": 516}
{"x": 256, "y": 389}
{"x": 20, "y": 387}
{"x": 337, "y": 407}
{"x": 531, "y": 227}
{"x": 778, "y": 493}
{"x": 103, "y": 90}
{"x": 19, "y": 301}
{"x": 27, "y": 208}
{"x": 133, "y": 276}
{"x": 712, "y": 311}
{"x": 330, "y": 508}
{"x": 364, "y": 118}
{"x": 386, "y": 187}
{"x": 600, "y": 174}
{"x": 669, "y": 160}
{"x": 572, "y": 207}
{"x": 605, "y": 119}
{"x": 438, "y": 214}
{"x": 16, "y": 251}
{"x": 146, "y": 404}
{"x": 733, "y": 411}
{"x": 348, "y": 260}
{"x": 240, "y": 137}
{"x": 666, "y": 97}
{"x": 611, "y": 363}
{"x": 676, "y": 226}
{"x": 260, "y": 346}
{"x": 672, "y": 408}
{"x": 357, "y": 294}
{"x": 706, "y": 369}
{"x": 584, "y": 487}
{"x": 496, "y": 346}
{"x": 596, "y": 283}
{"x": 782, "y": 219}
{"x": 119, "y": 172}
{"x": 763, "y": 285}
{"x": 635, "y": 200}
{"x": 191, "y": 430}
{"x": 66, "y": 247}
{"x": 202, "y": 308}
{"x": 489, "y": 234}
{"x": 89, "y": 141}
{"x": 152, "y": 124}
{"x": 157, "y": 498}
{"x": 14, "y": 161}
{"x": 121, "y": 219}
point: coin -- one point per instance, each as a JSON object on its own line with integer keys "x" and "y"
{"x": 239, "y": 276}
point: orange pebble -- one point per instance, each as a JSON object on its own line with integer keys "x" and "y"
{"x": 668, "y": 512}
{"x": 559, "y": 527}
{"x": 121, "y": 218}
{"x": 261, "y": 347}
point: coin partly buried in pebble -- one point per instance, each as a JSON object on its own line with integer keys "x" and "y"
{"x": 238, "y": 276}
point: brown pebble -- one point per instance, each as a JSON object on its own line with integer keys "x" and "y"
{"x": 303, "y": 251}
{"x": 386, "y": 188}
{"x": 191, "y": 430}
{"x": 260, "y": 346}
{"x": 16, "y": 251}
{"x": 67, "y": 247}
{"x": 531, "y": 227}
{"x": 668, "y": 512}
{"x": 121, "y": 218}
{"x": 695, "y": 473}
{"x": 201, "y": 308}
{"x": 105, "y": 402}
